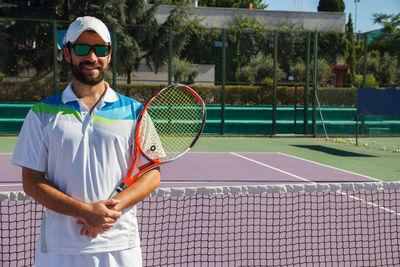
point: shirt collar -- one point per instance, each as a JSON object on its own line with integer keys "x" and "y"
{"x": 68, "y": 95}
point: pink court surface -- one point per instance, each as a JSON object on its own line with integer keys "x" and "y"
{"x": 224, "y": 168}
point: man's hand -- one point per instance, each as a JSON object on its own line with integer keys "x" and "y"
{"x": 136, "y": 192}
{"x": 100, "y": 217}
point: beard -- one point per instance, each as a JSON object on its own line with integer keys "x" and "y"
{"x": 87, "y": 79}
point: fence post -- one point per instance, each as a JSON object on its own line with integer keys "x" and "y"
{"x": 114, "y": 56}
{"x": 223, "y": 82}
{"x": 169, "y": 55}
{"x": 274, "y": 102}
{"x": 55, "y": 79}
{"x": 365, "y": 60}
{"x": 306, "y": 87}
{"x": 314, "y": 114}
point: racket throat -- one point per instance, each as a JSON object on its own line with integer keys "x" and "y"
{"x": 119, "y": 189}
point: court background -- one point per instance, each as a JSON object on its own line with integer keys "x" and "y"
{"x": 373, "y": 162}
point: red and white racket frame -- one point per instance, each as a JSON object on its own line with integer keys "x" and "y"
{"x": 129, "y": 179}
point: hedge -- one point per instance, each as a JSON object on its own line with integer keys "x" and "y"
{"x": 33, "y": 91}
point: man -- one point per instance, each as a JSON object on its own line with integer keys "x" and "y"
{"x": 74, "y": 149}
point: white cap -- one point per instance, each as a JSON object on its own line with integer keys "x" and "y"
{"x": 86, "y": 23}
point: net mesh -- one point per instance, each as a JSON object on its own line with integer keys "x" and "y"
{"x": 173, "y": 121}
{"x": 352, "y": 224}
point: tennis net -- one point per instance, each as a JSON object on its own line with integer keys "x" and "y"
{"x": 351, "y": 224}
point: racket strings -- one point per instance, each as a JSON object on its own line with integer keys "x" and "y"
{"x": 176, "y": 116}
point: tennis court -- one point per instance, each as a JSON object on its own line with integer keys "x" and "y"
{"x": 250, "y": 202}
{"x": 226, "y": 168}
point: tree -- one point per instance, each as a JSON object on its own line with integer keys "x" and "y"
{"x": 350, "y": 53}
{"x": 25, "y": 45}
{"x": 390, "y": 41}
{"x": 181, "y": 29}
{"x": 256, "y": 4}
{"x": 29, "y": 44}
{"x": 182, "y": 71}
{"x": 383, "y": 68}
{"x": 383, "y": 59}
{"x": 259, "y": 68}
{"x": 332, "y": 46}
{"x": 298, "y": 70}
{"x": 331, "y": 5}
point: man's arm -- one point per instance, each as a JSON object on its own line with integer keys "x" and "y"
{"x": 135, "y": 193}
{"x": 96, "y": 215}
{"x": 139, "y": 190}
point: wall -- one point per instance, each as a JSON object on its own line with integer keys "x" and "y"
{"x": 221, "y": 17}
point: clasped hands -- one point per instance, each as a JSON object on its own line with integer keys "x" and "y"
{"x": 100, "y": 217}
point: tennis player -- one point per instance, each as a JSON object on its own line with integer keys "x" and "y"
{"x": 74, "y": 149}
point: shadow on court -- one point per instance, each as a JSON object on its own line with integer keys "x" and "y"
{"x": 332, "y": 151}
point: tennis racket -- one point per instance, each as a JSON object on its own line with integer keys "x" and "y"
{"x": 168, "y": 127}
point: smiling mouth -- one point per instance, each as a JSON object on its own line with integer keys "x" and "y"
{"x": 89, "y": 66}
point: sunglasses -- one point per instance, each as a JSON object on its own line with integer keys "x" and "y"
{"x": 84, "y": 49}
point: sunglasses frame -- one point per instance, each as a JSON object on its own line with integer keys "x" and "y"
{"x": 92, "y": 48}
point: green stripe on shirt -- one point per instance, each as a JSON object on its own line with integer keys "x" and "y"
{"x": 52, "y": 109}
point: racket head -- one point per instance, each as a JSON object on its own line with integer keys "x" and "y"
{"x": 170, "y": 124}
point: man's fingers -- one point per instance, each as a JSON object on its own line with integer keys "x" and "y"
{"x": 111, "y": 202}
{"x": 114, "y": 214}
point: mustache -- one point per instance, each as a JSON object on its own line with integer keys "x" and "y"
{"x": 92, "y": 64}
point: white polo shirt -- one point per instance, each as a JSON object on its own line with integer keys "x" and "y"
{"x": 86, "y": 155}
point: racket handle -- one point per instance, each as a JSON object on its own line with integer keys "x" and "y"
{"x": 119, "y": 189}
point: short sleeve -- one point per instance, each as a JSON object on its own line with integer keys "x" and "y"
{"x": 31, "y": 148}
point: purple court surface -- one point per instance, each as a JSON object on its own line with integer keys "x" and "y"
{"x": 265, "y": 230}
{"x": 224, "y": 168}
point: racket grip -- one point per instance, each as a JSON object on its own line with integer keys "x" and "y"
{"x": 119, "y": 189}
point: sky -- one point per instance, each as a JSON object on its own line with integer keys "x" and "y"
{"x": 365, "y": 10}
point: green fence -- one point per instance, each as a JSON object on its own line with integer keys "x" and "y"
{"x": 237, "y": 66}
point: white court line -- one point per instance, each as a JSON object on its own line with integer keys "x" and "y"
{"x": 268, "y": 166}
{"x": 304, "y": 179}
{"x": 10, "y": 184}
{"x": 327, "y": 166}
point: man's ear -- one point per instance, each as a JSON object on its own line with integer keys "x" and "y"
{"x": 67, "y": 54}
{"x": 109, "y": 56}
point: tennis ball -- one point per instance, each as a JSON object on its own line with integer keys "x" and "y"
{"x": 365, "y": 144}
{"x": 374, "y": 142}
{"x": 383, "y": 148}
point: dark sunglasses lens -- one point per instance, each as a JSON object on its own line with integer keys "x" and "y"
{"x": 101, "y": 50}
{"x": 81, "y": 49}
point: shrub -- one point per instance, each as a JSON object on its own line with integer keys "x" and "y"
{"x": 370, "y": 81}
{"x": 234, "y": 94}
{"x": 260, "y": 67}
{"x": 183, "y": 72}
